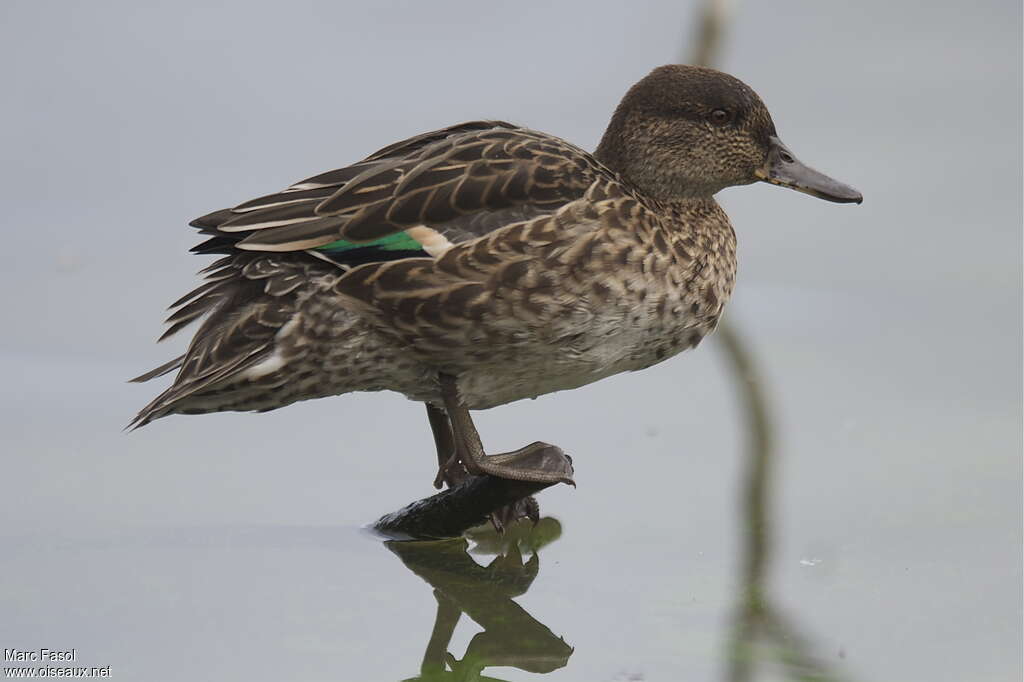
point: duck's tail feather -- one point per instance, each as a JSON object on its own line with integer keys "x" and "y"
{"x": 170, "y": 400}
{"x": 163, "y": 369}
{"x": 150, "y": 412}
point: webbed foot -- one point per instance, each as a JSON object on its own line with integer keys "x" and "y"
{"x": 536, "y": 463}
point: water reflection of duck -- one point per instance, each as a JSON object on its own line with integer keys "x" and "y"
{"x": 511, "y": 636}
{"x": 484, "y": 263}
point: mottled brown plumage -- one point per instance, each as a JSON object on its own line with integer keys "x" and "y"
{"x": 502, "y": 260}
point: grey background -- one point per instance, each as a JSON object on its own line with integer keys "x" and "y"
{"x": 228, "y": 546}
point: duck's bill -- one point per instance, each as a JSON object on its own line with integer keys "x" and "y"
{"x": 785, "y": 170}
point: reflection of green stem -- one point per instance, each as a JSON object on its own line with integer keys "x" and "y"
{"x": 712, "y": 23}
{"x": 713, "y": 19}
{"x": 753, "y": 607}
{"x": 760, "y": 451}
{"x": 756, "y": 618}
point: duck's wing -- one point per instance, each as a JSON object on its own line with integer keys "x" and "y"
{"x": 534, "y": 280}
{"x": 411, "y": 199}
{"x": 415, "y": 197}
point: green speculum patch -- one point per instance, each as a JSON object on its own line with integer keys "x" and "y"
{"x": 400, "y": 241}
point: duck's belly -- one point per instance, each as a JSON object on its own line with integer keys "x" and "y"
{"x": 360, "y": 358}
{"x": 528, "y": 377}
{"x": 534, "y": 369}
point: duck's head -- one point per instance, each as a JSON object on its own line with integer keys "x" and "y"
{"x": 688, "y": 131}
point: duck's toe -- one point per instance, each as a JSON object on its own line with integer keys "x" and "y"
{"x": 526, "y": 508}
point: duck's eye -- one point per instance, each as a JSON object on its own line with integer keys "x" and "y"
{"x": 720, "y": 117}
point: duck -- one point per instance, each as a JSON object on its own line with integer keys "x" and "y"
{"x": 481, "y": 264}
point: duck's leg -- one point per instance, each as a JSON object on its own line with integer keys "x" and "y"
{"x": 450, "y": 470}
{"x": 537, "y": 462}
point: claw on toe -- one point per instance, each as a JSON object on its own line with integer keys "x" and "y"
{"x": 451, "y": 473}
